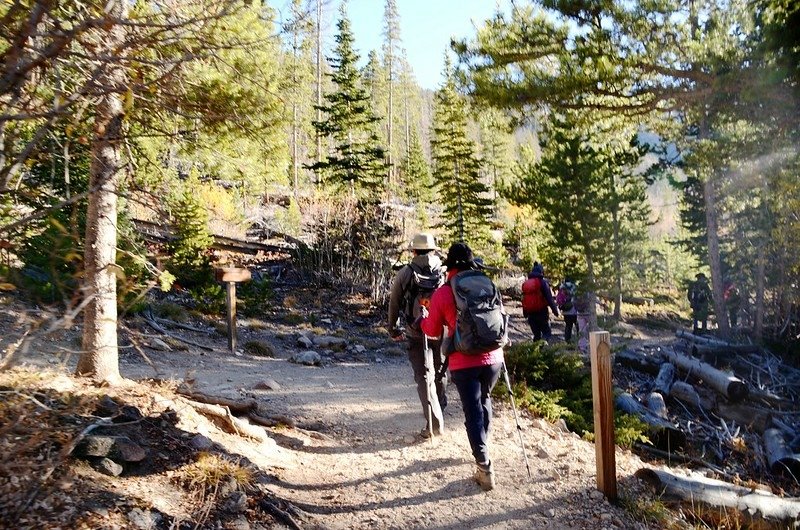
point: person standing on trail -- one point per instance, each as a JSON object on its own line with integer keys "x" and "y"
{"x": 474, "y": 375}
{"x": 566, "y": 299}
{"x": 537, "y": 296}
{"x": 412, "y": 288}
{"x": 699, "y": 296}
{"x": 733, "y": 302}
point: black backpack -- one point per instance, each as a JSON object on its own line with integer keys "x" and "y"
{"x": 423, "y": 283}
{"x": 481, "y": 321}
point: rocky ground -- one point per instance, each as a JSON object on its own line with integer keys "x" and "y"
{"x": 346, "y": 455}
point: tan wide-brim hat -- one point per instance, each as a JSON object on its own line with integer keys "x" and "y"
{"x": 423, "y": 241}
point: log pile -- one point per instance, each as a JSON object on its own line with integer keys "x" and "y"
{"x": 737, "y": 406}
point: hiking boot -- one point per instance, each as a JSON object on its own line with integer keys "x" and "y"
{"x": 425, "y": 434}
{"x": 484, "y": 476}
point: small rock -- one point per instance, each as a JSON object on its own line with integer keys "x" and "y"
{"x": 108, "y": 467}
{"x": 228, "y": 487}
{"x": 597, "y": 495}
{"x": 334, "y": 343}
{"x": 118, "y": 447}
{"x": 106, "y": 407}
{"x": 236, "y": 502}
{"x": 305, "y": 342}
{"x": 308, "y": 357}
{"x": 541, "y": 453}
{"x": 158, "y": 344}
{"x": 128, "y": 451}
{"x": 359, "y": 348}
{"x": 326, "y": 321}
{"x": 201, "y": 443}
{"x": 240, "y": 523}
{"x": 267, "y": 384}
{"x": 561, "y": 426}
{"x": 144, "y": 520}
{"x": 550, "y": 512}
{"x": 128, "y": 413}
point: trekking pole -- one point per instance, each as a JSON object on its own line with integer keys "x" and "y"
{"x": 516, "y": 419}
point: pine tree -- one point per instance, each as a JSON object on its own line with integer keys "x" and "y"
{"x": 496, "y": 150}
{"x": 417, "y": 174}
{"x": 357, "y": 158}
{"x": 391, "y": 46}
{"x": 456, "y": 168}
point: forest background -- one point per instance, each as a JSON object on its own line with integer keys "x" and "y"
{"x": 628, "y": 145}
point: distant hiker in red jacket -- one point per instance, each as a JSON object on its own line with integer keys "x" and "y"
{"x": 473, "y": 375}
{"x": 537, "y": 296}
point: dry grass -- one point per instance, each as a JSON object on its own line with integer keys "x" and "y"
{"x": 210, "y": 470}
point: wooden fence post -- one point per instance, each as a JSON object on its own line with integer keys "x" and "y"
{"x": 231, "y": 275}
{"x": 600, "y": 348}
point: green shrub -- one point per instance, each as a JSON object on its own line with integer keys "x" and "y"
{"x": 553, "y": 382}
{"x": 255, "y": 297}
{"x": 209, "y": 298}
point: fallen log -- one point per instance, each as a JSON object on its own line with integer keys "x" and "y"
{"x": 700, "y": 339}
{"x": 686, "y": 393}
{"x": 237, "y": 406}
{"x": 712, "y": 351}
{"x": 640, "y": 363}
{"x": 181, "y": 325}
{"x": 696, "y": 489}
{"x": 779, "y": 456}
{"x": 664, "y": 379}
{"x": 672, "y": 458}
{"x": 271, "y": 421}
{"x": 234, "y": 425}
{"x": 729, "y": 386}
{"x": 663, "y": 433}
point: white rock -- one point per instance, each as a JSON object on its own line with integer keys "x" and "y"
{"x": 158, "y": 344}
{"x": 304, "y": 341}
{"x": 308, "y": 357}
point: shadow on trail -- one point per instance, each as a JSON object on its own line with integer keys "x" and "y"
{"x": 417, "y": 467}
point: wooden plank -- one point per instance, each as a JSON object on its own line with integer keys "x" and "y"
{"x": 600, "y": 348}
{"x": 232, "y": 274}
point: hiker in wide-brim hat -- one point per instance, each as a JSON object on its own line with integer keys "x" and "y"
{"x": 412, "y": 286}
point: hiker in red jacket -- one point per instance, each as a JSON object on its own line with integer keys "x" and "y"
{"x": 473, "y": 375}
{"x": 537, "y": 296}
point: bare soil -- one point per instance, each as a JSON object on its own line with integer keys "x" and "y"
{"x": 353, "y": 459}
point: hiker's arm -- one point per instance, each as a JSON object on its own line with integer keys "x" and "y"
{"x": 396, "y": 297}
{"x": 548, "y": 295}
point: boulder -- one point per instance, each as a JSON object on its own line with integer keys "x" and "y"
{"x": 267, "y": 384}
{"x": 260, "y": 348}
{"x": 116, "y": 447}
{"x": 330, "y": 342}
{"x": 201, "y": 443}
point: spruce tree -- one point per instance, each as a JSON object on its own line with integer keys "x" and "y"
{"x": 456, "y": 167}
{"x": 357, "y": 159}
{"x": 417, "y": 174}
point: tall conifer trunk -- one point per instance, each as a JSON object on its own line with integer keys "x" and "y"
{"x": 100, "y": 357}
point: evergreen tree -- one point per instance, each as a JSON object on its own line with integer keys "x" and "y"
{"x": 357, "y": 158}
{"x": 456, "y": 167}
{"x": 496, "y": 150}
{"x": 417, "y": 174}
{"x": 391, "y": 53}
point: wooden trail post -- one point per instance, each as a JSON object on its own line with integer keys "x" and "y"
{"x": 600, "y": 348}
{"x": 231, "y": 275}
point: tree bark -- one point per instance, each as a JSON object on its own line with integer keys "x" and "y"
{"x": 100, "y": 357}
{"x": 761, "y": 265}
{"x": 729, "y": 386}
{"x": 617, "y": 253}
{"x": 712, "y": 235}
{"x": 663, "y": 382}
{"x": 696, "y": 488}
{"x": 780, "y": 458}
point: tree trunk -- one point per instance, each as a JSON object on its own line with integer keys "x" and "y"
{"x": 761, "y": 265}
{"x": 617, "y": 246}
{"x": 714, "y": 262}
{"x": 319, "y": 86}
{"x": 592, "y": 297}
{"x": 100, "y": 357}
{"x": 729, "y": 386}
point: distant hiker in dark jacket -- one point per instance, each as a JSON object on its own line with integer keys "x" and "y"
{"x": 409, "y": 291}
{"x": 567, "y": 303}
{"x": 733, "y": 302}
{"x": 473, "y": 375}
{"x": 699, "y": 296}
{"x": 537, "y": 296}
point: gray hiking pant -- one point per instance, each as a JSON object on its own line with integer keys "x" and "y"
{"x": 416, "y": 355}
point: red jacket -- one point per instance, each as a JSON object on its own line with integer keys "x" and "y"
{"x": 441, "y": 313}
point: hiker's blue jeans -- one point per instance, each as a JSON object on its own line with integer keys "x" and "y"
{"x": 474, "y": 388}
